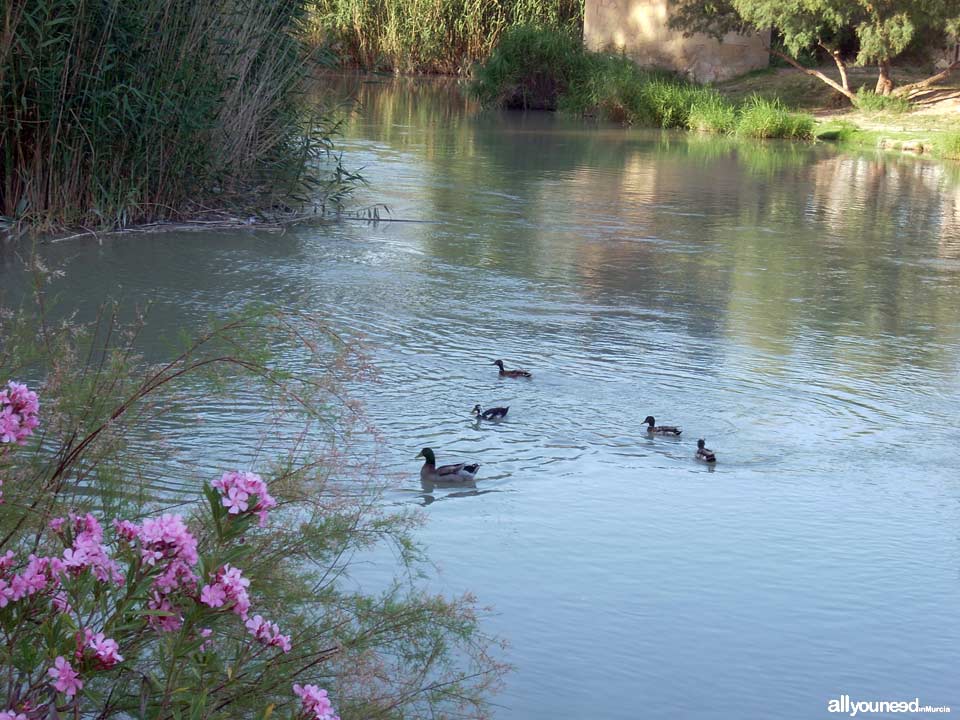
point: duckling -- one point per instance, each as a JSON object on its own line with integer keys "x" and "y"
{"x": 461, "y": 472}
{"x": 511, "y": 373}
{"x": 489, "y": 414}
{"x": 704, "y": 453}
{"x": 654, "y": 429}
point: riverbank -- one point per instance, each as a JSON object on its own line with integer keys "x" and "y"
{"x": 930, "y": 126}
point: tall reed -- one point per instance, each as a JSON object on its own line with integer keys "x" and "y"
{"x": 116, "y": 112}
{"x": 441, "y": 36}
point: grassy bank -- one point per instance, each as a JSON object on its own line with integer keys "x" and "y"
{"x": 427, "y": 36}
{"x": 117, "y": 113}
{"x": 930, "y": 127}
{"x": 536, "y": 68}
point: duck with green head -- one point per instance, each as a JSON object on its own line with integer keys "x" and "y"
{"x": 461, "y": 472}
{"x": 511, "y": 373}
{"x": 651, "y": 422}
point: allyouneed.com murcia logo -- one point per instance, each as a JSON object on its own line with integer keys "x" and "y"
{"x": 844, "y": 704}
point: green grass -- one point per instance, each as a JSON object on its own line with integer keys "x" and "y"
{"x": 949, "y": 145}
{"x": 868, "y": 101}
{"x": 114, "y": 113}
{"x": 762, "y": 118}
{"x": 431, "y": 36}
{"x": 549, "y": 69}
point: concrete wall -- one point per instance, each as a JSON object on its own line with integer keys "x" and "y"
{"x": 639, "y": 27}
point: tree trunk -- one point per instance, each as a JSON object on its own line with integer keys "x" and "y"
{"x": 907, "y": 90}
{"x": 817, "y": 74}
{"x": 841, "y": 65}
{"x": 884, "y": 81}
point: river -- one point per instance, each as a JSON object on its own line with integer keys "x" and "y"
{"x": 797, "y": 307}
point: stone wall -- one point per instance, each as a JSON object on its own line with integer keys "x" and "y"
{"x": 639, "y": 28}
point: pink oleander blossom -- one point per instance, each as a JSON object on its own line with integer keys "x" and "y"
{"x": 105, "y": 651}
{"x": 315, "y": 702}
{"x": 19, "y": 413}
{"x": 164, "y": 623}
{"x": 268, "y": 633}
{"x": 40, "y": 574}
{"x": 66, "y": 679}
{"x": 236, "y": 488}
{"x": 126, "y": 530}
{"x": 166, "y": 538}
{"x": 88, "y": 551}
{"x": 228, "y": 586}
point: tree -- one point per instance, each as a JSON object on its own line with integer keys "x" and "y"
{"x": 883, "y": 28}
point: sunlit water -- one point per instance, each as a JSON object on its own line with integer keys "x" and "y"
{"x": 798, "y": 308}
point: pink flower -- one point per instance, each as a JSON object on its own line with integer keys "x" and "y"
{"x": 315, "y": 702}
{"x": 268, "y": 633}
{"x": 228, "y": 586}
{"x": 236, "y": 501}
{"x": 56, "y": 524}
{"x": 237, "y": 487}
{"x": 213, "y": 595}
{"x": 169, "y": 537}
{"x": 88, "y": 551}
{"x": 19, "y": 410}
{"x": 167, "y": 622}
{"x": 12, "y": 715}
{"x": 126, "y": 530}
{"x": 66, "y": 678}
{"x": 105, "y": 650}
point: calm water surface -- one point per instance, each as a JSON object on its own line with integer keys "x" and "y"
{"x": 797, "y": 308}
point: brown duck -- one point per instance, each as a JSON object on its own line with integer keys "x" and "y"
{"x": 511, "y": 373}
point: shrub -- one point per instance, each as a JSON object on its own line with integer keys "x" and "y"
{"x": 531, "y": 68}
{"x": 869, "y": 101}
{"x": 762, "y": 118}
{"x": 214, "y": 604}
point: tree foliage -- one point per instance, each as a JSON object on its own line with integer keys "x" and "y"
{"x": 884, "y": 29}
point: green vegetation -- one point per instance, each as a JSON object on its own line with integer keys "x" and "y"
{"x": 883, "y": 32}
{"x": 950, "y": 145}
{"x": 761, "y": 118}
{"x": 109, "y": 420}
{"x": 869, "y": 101}
{"x": 532, "y": 68}
{"x": 116, "y": 113}
{"x": 549, "y": 69}
{"x": 434, "y": 36}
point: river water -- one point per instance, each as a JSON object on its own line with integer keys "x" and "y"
{"x": 796, "y": 307}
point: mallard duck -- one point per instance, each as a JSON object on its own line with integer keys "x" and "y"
{"x": 704, "y": 453}
{"x": 511, "y": 373}
{"x": 655, "y": 429}
{"x": 461, "y": 472}
{"x": 490, "y": 413}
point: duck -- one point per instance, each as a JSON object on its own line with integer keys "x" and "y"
{"x": 511, "y": 373}
{"x": 490, "y": 413}
{"x": 704, "y": 453}
{"x": 655, "y": 429}
{"x": 461, "y": 472}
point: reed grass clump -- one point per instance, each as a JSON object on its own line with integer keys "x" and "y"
{"x": 433, "y": 36}
{"x": 762, "y": 118}
{"x": 116, "y": 112}
{"x": 950, "y": 145}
